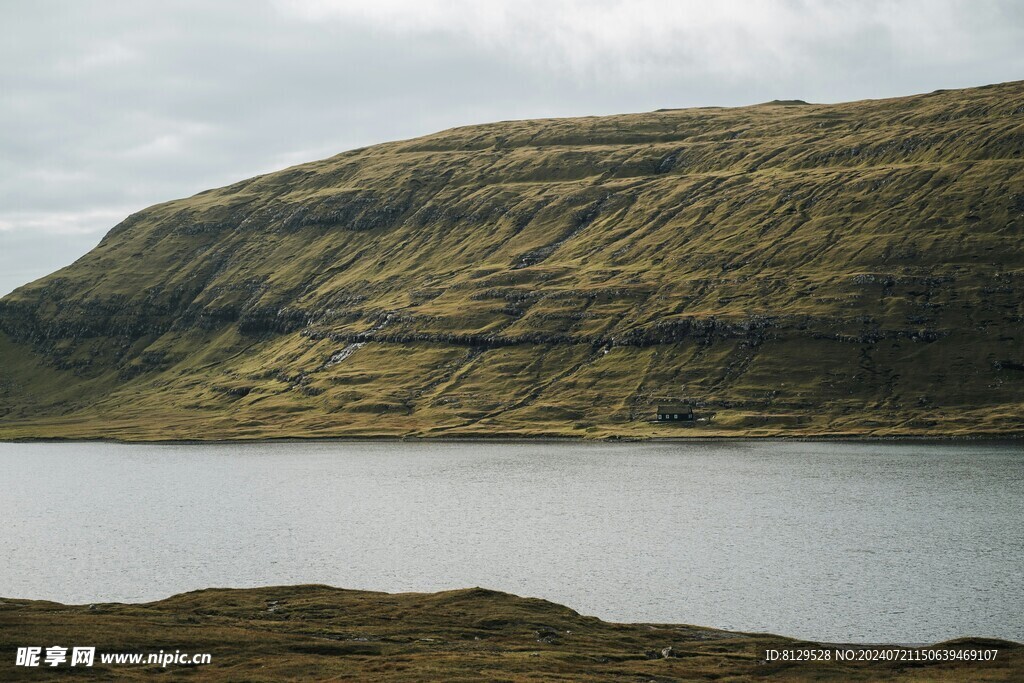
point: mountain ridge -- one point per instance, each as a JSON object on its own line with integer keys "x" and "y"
{"x": 850, "y": 269}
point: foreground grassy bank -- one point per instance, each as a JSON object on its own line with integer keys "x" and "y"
{"x": 323, "y": 633}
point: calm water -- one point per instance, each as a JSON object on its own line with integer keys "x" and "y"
{"x": 841, "y": 542}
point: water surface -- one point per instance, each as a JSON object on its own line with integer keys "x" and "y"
{"x": 830, "y": 541}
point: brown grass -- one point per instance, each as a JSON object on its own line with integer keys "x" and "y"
{"x": 320, "y": 633}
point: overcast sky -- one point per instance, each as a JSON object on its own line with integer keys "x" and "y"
{"x": 107, "y": 107}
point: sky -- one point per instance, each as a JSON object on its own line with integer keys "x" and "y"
{"x": 109, "y": 106}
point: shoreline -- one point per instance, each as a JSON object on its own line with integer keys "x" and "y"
{"x": 1012, "y": 438}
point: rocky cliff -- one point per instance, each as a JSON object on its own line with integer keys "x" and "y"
{"x": 790, "y": 269}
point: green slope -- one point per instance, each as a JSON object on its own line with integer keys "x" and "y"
{"x": 851, "y": 269}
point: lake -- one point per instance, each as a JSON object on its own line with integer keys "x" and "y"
{"x": 845, "y": 542}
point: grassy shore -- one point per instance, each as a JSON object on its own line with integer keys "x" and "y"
{"x": 1003, "y": 439}
{"x": 321, "y": 633}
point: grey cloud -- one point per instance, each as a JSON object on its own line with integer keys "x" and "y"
{"x": 109, "y": 106}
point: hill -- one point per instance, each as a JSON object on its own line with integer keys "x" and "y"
{"x": 851, "y": 269}
{"x": 319, "y": 633}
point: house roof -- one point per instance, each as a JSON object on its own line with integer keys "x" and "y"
{"x": 674, "y": 408}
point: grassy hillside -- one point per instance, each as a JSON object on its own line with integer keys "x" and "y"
{"x": 792, "y": 269}
{"x": 320, "y": 633}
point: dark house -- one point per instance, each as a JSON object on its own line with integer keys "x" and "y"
{"x": 675, "y": 412}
